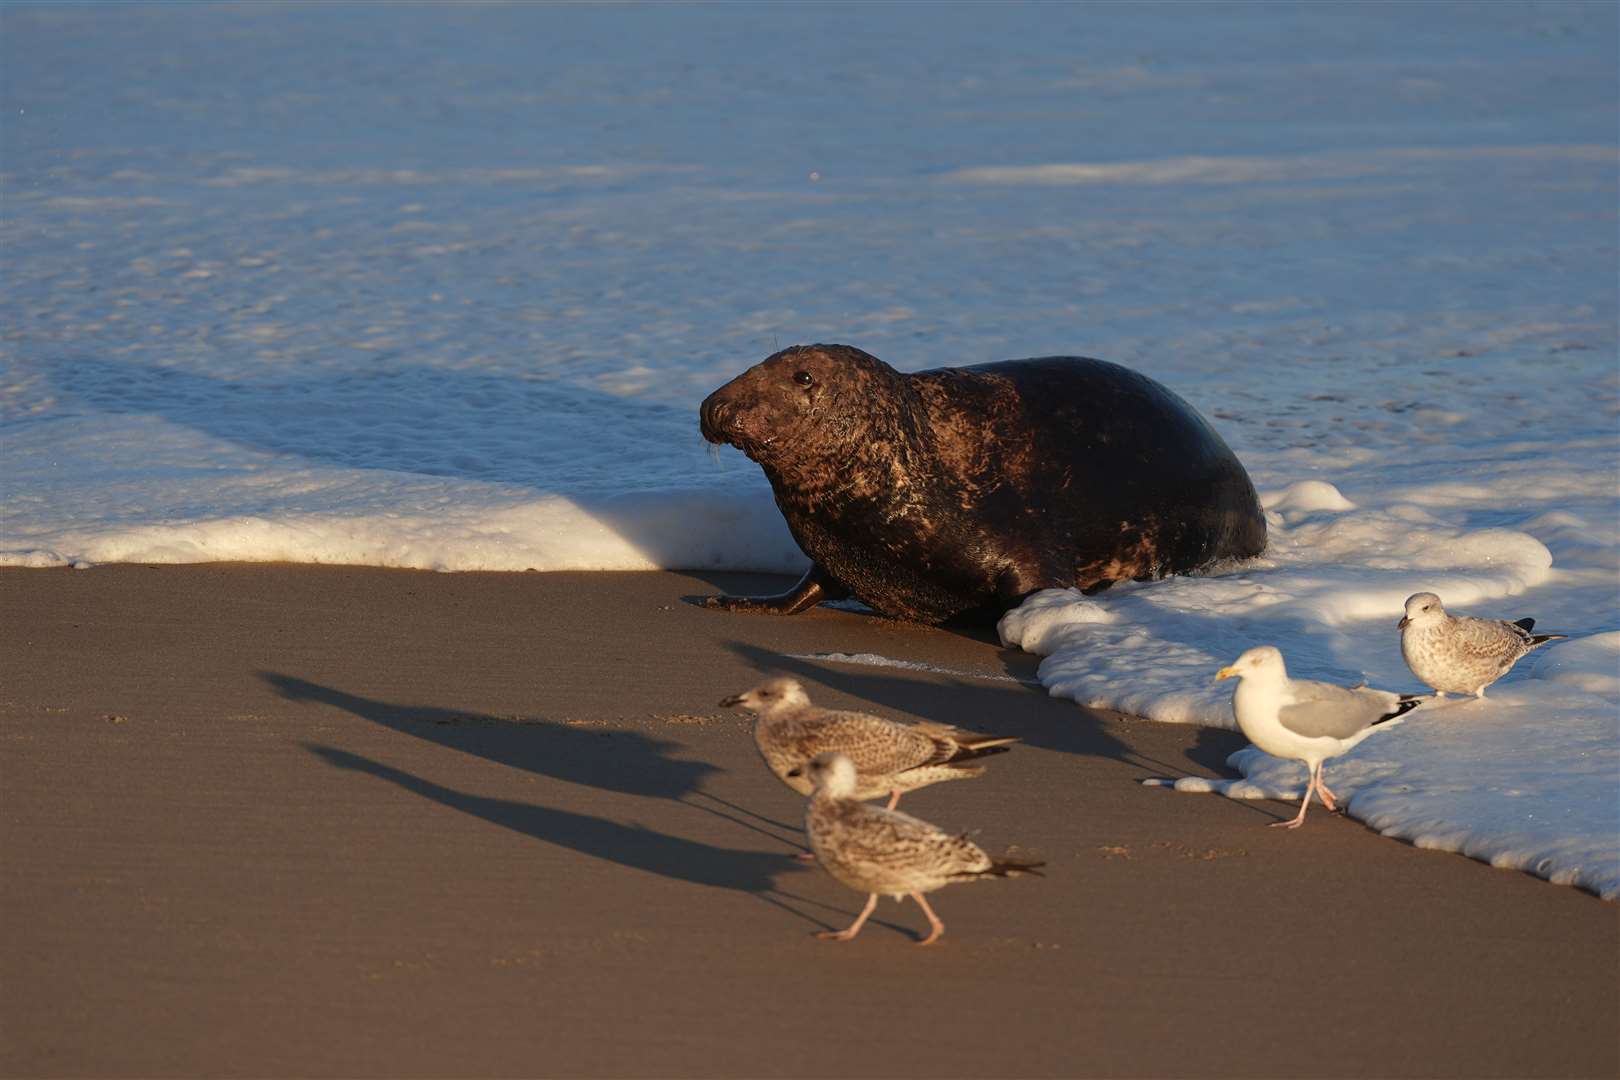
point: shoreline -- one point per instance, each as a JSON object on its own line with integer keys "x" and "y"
{"x": 291, "y": 819}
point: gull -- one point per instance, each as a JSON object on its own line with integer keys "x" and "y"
{"x": 889, "y": 757}
{"x": 885, "y": 852}
{"x": 1460, "y": 654}
{"x": 1306, "y": 721}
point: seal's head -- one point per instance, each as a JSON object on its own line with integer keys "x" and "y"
{"x": 802, "y": 400}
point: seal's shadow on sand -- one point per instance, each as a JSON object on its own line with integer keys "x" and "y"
{"x": 988, "y": 706}
{"x": 974, "y": 704}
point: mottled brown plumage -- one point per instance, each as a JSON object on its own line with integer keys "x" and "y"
{"x": 890, "y": 757}
{"x": 886, "y": 853}
{"x": 1460, "y": 654}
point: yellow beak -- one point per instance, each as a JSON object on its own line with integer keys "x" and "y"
{"x": 1225, "y": 673}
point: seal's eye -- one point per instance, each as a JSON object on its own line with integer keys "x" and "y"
{"x": 802, "y": 378}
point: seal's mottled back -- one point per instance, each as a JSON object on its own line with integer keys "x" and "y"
{"x": 958, "y": 489}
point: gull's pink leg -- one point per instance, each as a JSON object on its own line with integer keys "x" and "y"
{"x": 1322, "y": 791}
{"x": 894, "y": 799}
{"x": 853, "y": 928}
{"x": 1304, "y": 804}
{"x": 933, "y": 920}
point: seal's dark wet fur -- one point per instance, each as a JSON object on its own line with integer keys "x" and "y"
{"x": 962, "y": 489}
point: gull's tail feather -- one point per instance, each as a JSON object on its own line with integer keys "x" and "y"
{"x": 1016, "y": 867}
{"x": 952, "y": 746}
{"x": 1406, "y": 704}
{"x": 1535, "y": 640}
{"x": 1006, "y": 868}
{"x": 981, "y": 742}
{"x": 970, "y": 753}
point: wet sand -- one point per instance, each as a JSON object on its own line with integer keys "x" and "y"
{"x": 313, "y": 821}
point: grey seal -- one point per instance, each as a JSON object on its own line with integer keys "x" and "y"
{"x": 961, "y": 490}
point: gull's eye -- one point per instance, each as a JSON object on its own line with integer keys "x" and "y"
{"x": 802, "y": 378}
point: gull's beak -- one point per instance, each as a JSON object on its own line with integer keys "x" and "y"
{"x": 734, "y": 699}
{"x": 1225, "y": 673}
{"x": 1403, "y": 624}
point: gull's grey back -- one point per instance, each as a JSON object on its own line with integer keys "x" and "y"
{"x": 1322, "y": 710}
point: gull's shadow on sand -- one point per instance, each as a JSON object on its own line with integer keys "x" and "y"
{"x": 633, "y": 845}
{"x": 624, "y": 762}
{"x": 614, "y": 760}
{"x": 1214, "y": 746}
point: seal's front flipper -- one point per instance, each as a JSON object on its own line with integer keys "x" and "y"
{"x": 811, "y": 590}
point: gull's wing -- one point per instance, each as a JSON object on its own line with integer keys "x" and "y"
{"x": 1487, "y": 639}
{"x": 891, "y": 840}
{"x": 876, "y": 746}
{"x": 1318, "y": 709}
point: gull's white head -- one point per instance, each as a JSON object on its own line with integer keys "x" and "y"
{"x": 1422, "y": 609}
{"x": 831, "y": 772}
{"x": 771, "y": 694}
{"x": 1262, "y": 661}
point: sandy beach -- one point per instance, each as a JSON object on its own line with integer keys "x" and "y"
{"x": 312, "y": 821}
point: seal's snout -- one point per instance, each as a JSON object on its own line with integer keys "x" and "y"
{"x": 712, "y": 418}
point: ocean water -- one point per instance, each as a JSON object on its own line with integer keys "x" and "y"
{"x": 442, "y": 285}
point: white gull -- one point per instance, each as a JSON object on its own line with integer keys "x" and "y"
{"x": 1306, "y": 721}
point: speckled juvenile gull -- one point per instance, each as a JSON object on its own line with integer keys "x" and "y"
{"x": 1459, "y": 654}
{"x": 887, "y": 853}
{"x": 889, "y": 757}
{"x": 1305, "y": 720}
